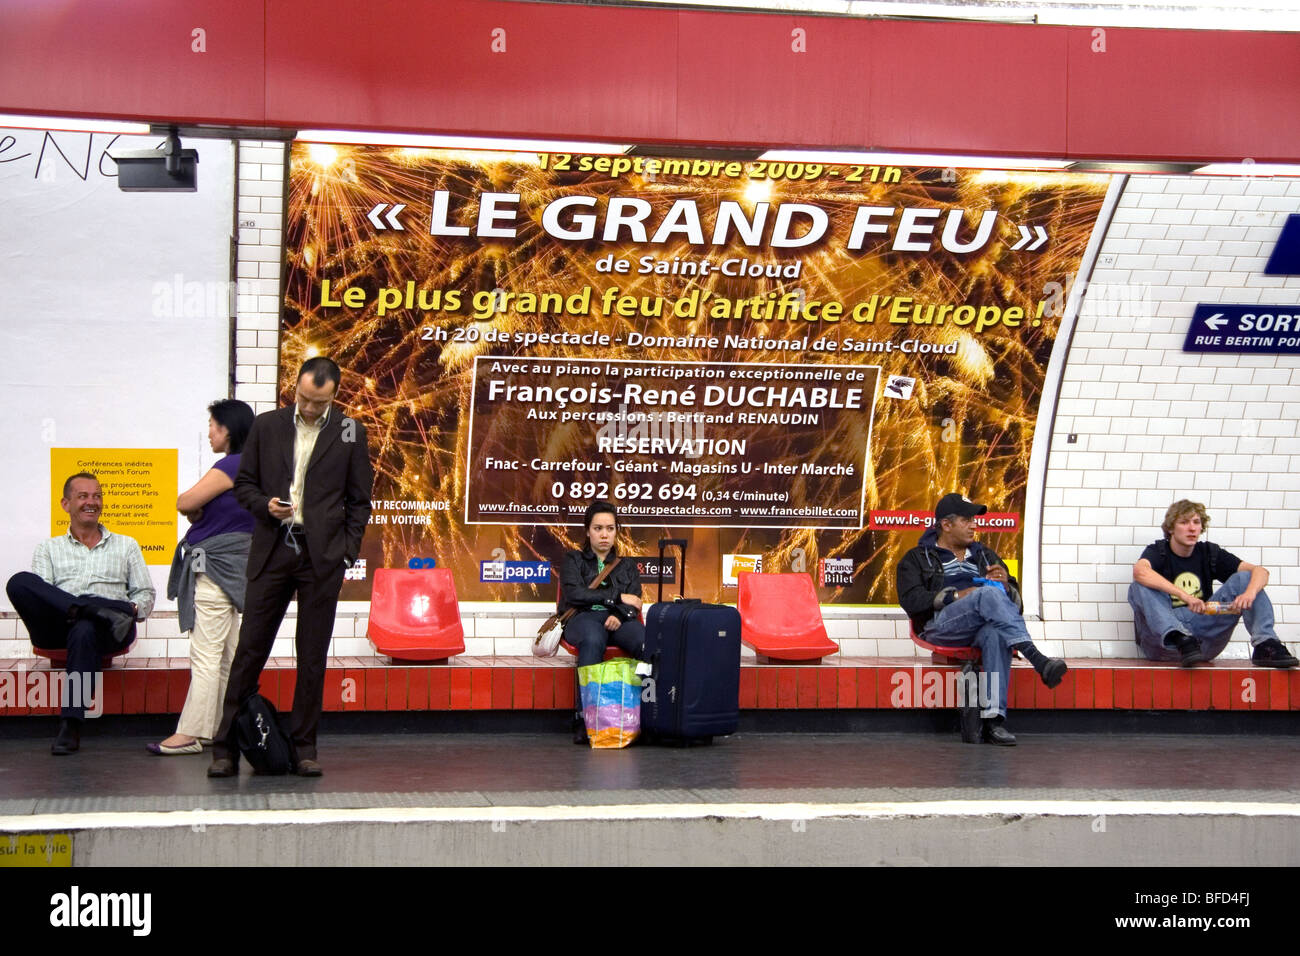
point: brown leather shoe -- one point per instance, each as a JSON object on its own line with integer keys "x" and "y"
{"x": 223, "y": 767}
{"x": 308, "y": 768}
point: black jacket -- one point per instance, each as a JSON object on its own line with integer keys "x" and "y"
{"x": 579, "y": 569}
{"x": 336, "y": 494}
{"x": 920, "y": 578}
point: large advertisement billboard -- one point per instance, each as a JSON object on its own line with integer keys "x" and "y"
{"x": 784, "y": 363}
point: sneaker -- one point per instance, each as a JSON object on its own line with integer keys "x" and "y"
{"x": 1190, "y": 649}
{"x": 1272, "y": 653}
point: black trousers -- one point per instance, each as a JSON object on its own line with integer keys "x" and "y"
{"x": 586, "y": 632}
{"x": 266, "y": 599}
{"x": 45, "y": 611}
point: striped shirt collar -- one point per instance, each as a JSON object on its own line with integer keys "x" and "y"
{"x": 104, "y": 535}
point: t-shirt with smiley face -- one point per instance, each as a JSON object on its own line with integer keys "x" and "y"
{"x": 1195, "y": 573}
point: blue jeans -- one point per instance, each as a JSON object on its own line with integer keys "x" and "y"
{"x": 1154, "y": 616}
{"x": 586, "y": 632}
{"x": 987, "y": 619}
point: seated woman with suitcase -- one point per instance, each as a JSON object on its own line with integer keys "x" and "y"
{"x": 612, "y": 609}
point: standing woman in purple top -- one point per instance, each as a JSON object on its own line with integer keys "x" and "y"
{"x": 208, "y": 576}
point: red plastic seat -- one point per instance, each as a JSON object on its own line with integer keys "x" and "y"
{"x": 781, "y": 618}
{"x": 58, "y": 657}
{"x": 414, "y": 615}
{"x": 611, "y": 650}
{"x": 939, "y": 654}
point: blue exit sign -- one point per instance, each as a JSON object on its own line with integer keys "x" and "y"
{"x": 1285, "y": 260}
{"x": 1244, "y": 329}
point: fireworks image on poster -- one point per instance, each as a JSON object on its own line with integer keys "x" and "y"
{"x": 413, "y": 300}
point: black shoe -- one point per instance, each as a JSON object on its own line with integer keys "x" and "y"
{"x": 1053, "y": 673}
{"x": 1190, "y": 649}
{"x": 995, "y": 733}
{"x": 580, "y": 730}
{"x": 223, "y": 767}
{"x": 118, "y": 623}
{"x": 1272, "y": 653}
{"x": 69, "y": 739}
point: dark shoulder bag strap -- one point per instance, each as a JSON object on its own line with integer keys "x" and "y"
{"x": 561, "y": 617}
{"x": 1164, "y": 568}
{"x": 1210, "y": 565}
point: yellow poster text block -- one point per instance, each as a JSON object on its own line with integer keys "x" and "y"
{"x": 139, "y": 486}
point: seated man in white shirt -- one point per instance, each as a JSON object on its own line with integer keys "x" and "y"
{"x": 86, "y": 590}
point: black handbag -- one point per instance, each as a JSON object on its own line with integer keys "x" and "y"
{"x": 264, "y": 745}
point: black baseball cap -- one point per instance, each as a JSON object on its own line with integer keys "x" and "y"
{"x": 955, "y": 504}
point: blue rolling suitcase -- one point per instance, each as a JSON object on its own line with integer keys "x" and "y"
{"x": 694, "y": 652}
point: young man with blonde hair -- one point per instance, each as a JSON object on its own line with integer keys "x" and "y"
{"x": 1171, "y": 582}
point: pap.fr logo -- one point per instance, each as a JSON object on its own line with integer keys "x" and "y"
{"x": 524, "y": 572}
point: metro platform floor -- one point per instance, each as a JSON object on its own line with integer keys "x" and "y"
{"x": 114, "y": 773}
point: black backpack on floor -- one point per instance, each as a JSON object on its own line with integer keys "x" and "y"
{"x": 264, "y": 745}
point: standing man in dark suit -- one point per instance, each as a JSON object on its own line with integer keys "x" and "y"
{"x": 305, "y": 475}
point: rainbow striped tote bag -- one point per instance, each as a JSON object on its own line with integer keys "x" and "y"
{"x": 611, "y": 702}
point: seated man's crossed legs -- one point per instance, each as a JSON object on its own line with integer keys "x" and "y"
{"x": 987, "y": 619}
{"x": 88, "y": 627}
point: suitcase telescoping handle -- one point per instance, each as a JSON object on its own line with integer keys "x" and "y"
{"x": 680, "y": 544}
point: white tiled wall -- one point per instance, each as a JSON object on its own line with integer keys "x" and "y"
{"x": 260, "y": 257}
{"x": 1156, "y": 424}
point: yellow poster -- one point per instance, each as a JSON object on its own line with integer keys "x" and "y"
{"x": 36, "y": 849}
{"x": 139, "y": 486}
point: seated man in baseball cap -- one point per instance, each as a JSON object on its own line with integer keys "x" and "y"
{"x": 937, "y": 587}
